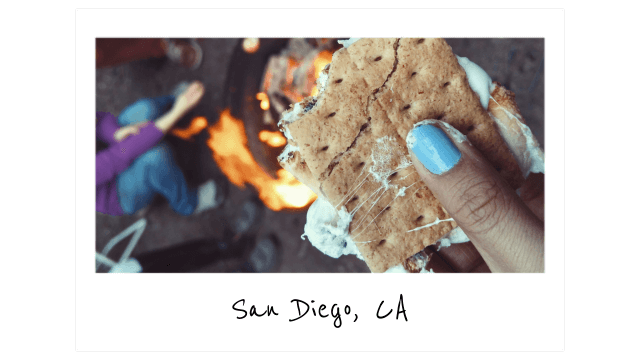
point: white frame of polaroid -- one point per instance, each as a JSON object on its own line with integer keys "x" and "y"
{"x": 445, "y": 312}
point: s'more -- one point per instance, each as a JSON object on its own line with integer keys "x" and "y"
{"x": 349, "y": 145}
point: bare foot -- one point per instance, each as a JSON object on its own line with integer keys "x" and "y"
{"x": 189, "y": 98}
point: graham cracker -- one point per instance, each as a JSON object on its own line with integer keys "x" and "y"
{"x": 351, "y": 141}
{"x": 331, "y": 126}
{"x": 293, "y": 163}
{"x": 430, "y": 84}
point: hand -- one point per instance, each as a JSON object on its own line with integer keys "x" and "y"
{"x": 504, "y": 230}
{"x": 185, "y": 102}
{"x": 189, "y": 98}
{"x": 125, "y": 131}
{"x": 464, "y": 257}
{"x": 532, "y": 194}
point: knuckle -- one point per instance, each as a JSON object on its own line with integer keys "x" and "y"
{"x": 482, "y": 204}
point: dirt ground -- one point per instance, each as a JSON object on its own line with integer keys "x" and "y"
{"x": 516, "y": 63}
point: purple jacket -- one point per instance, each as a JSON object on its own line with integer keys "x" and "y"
{"x": 117, "y": 158}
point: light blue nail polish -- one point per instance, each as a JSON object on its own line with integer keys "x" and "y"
{"x": 434, "y": 149}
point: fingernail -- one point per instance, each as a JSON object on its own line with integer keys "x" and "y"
{"x": 433, "y": 148}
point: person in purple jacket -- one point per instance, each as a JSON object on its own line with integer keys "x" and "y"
{"x": 137, "y": 166}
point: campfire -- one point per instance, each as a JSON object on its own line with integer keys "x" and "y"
{"x": 228, "y": 142}
{"x": 288, "y": 77}
{"x": 197, "y": 125}
{"x": 291, "y": 75}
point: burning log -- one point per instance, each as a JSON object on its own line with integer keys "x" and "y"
{"x": 228, "y": 142}
{"x": 246, "y": 150}
{"x": 290, "y": 76}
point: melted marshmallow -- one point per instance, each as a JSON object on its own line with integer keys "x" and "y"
{"x": 531, "y": 160}
{"x": 347, "y": 43}
{"x": 289, "y": 149}
{"x": 287, "y": 119}
{"x": 455, "y": 236}
{"x": 328, "y": 229}
{"x": 479, "y": 80}
{"x": 399, "y": 269}
{"x": 383, "y": 156}
{"x": 438, "y": 221}
{"x": 322, "y": 81}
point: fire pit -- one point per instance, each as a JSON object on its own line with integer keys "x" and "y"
{"x": 265, "y": 77}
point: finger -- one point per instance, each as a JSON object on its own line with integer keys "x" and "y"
{"x": 463, "y": 257}
{"x": 503, "y": 229}
{"x": 196, "y": 92}
{"x": 436, "y": 263}
{"x": 198, "y": 87}
{"x": 532, "y": 194}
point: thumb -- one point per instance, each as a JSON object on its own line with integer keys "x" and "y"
{"x": 507, "y": 234}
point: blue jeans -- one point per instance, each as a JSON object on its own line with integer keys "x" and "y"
{"x": 156, "y": 171}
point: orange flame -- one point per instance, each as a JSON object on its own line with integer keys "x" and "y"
{"x": 197, "y": 125}
{"x": 272, "y": 138}
{"x": 264, "y": 100}
{"x": 288, "y": 89}
{"x": 323, "y": 58}
{"x": 251, "y": 45}
{"x": 229, "y": 144}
